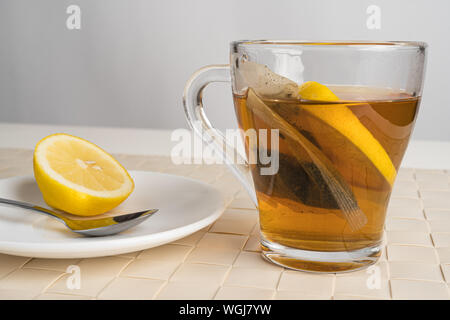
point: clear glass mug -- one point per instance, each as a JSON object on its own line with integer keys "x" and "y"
{"x": 325, "y": 126}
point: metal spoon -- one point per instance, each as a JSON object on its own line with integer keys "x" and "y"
{"x": 90, "y": 227}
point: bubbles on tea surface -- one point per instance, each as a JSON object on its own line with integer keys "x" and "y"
{"x": 264, "y": 81}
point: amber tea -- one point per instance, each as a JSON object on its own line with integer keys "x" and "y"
{"x": 359, "y": 139}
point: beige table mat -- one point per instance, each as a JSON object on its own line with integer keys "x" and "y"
{"x": 223, "y": 261}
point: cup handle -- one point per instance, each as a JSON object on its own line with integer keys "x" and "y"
{"x": 200, "y": 124}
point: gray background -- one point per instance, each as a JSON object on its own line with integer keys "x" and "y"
{"x": 128, "y": 64}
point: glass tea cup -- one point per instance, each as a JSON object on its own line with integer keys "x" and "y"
{"x": 325, "y": 126}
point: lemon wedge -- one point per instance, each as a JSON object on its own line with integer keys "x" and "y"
{"x": 342, "y": 119}
{"x": 76, "y": 176}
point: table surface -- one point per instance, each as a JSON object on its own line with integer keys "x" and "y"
{"x": 223, "y": 260}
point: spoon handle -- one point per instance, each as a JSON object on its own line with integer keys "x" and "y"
{"x": 30, "y": 206}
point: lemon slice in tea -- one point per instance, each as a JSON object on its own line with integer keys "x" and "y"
{"x": 76, "y": 176}
{"x": 342, "y": 119}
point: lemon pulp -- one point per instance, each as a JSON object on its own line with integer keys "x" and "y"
{"x": 76, "y": 176}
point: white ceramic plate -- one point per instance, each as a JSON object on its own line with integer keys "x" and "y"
{"x": 185, "y": 206}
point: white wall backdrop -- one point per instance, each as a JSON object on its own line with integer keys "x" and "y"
{"x": 128, "y": 63}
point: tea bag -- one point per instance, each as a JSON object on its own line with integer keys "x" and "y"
{"x": 264, "y": 81}
{"x": 323, "y": 170}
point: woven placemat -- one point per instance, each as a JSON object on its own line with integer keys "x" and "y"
{"x": 223, "y": 260}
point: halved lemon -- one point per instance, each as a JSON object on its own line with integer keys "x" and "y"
{"x": 76, "y": 176}
{"x": 342, "y": 119}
